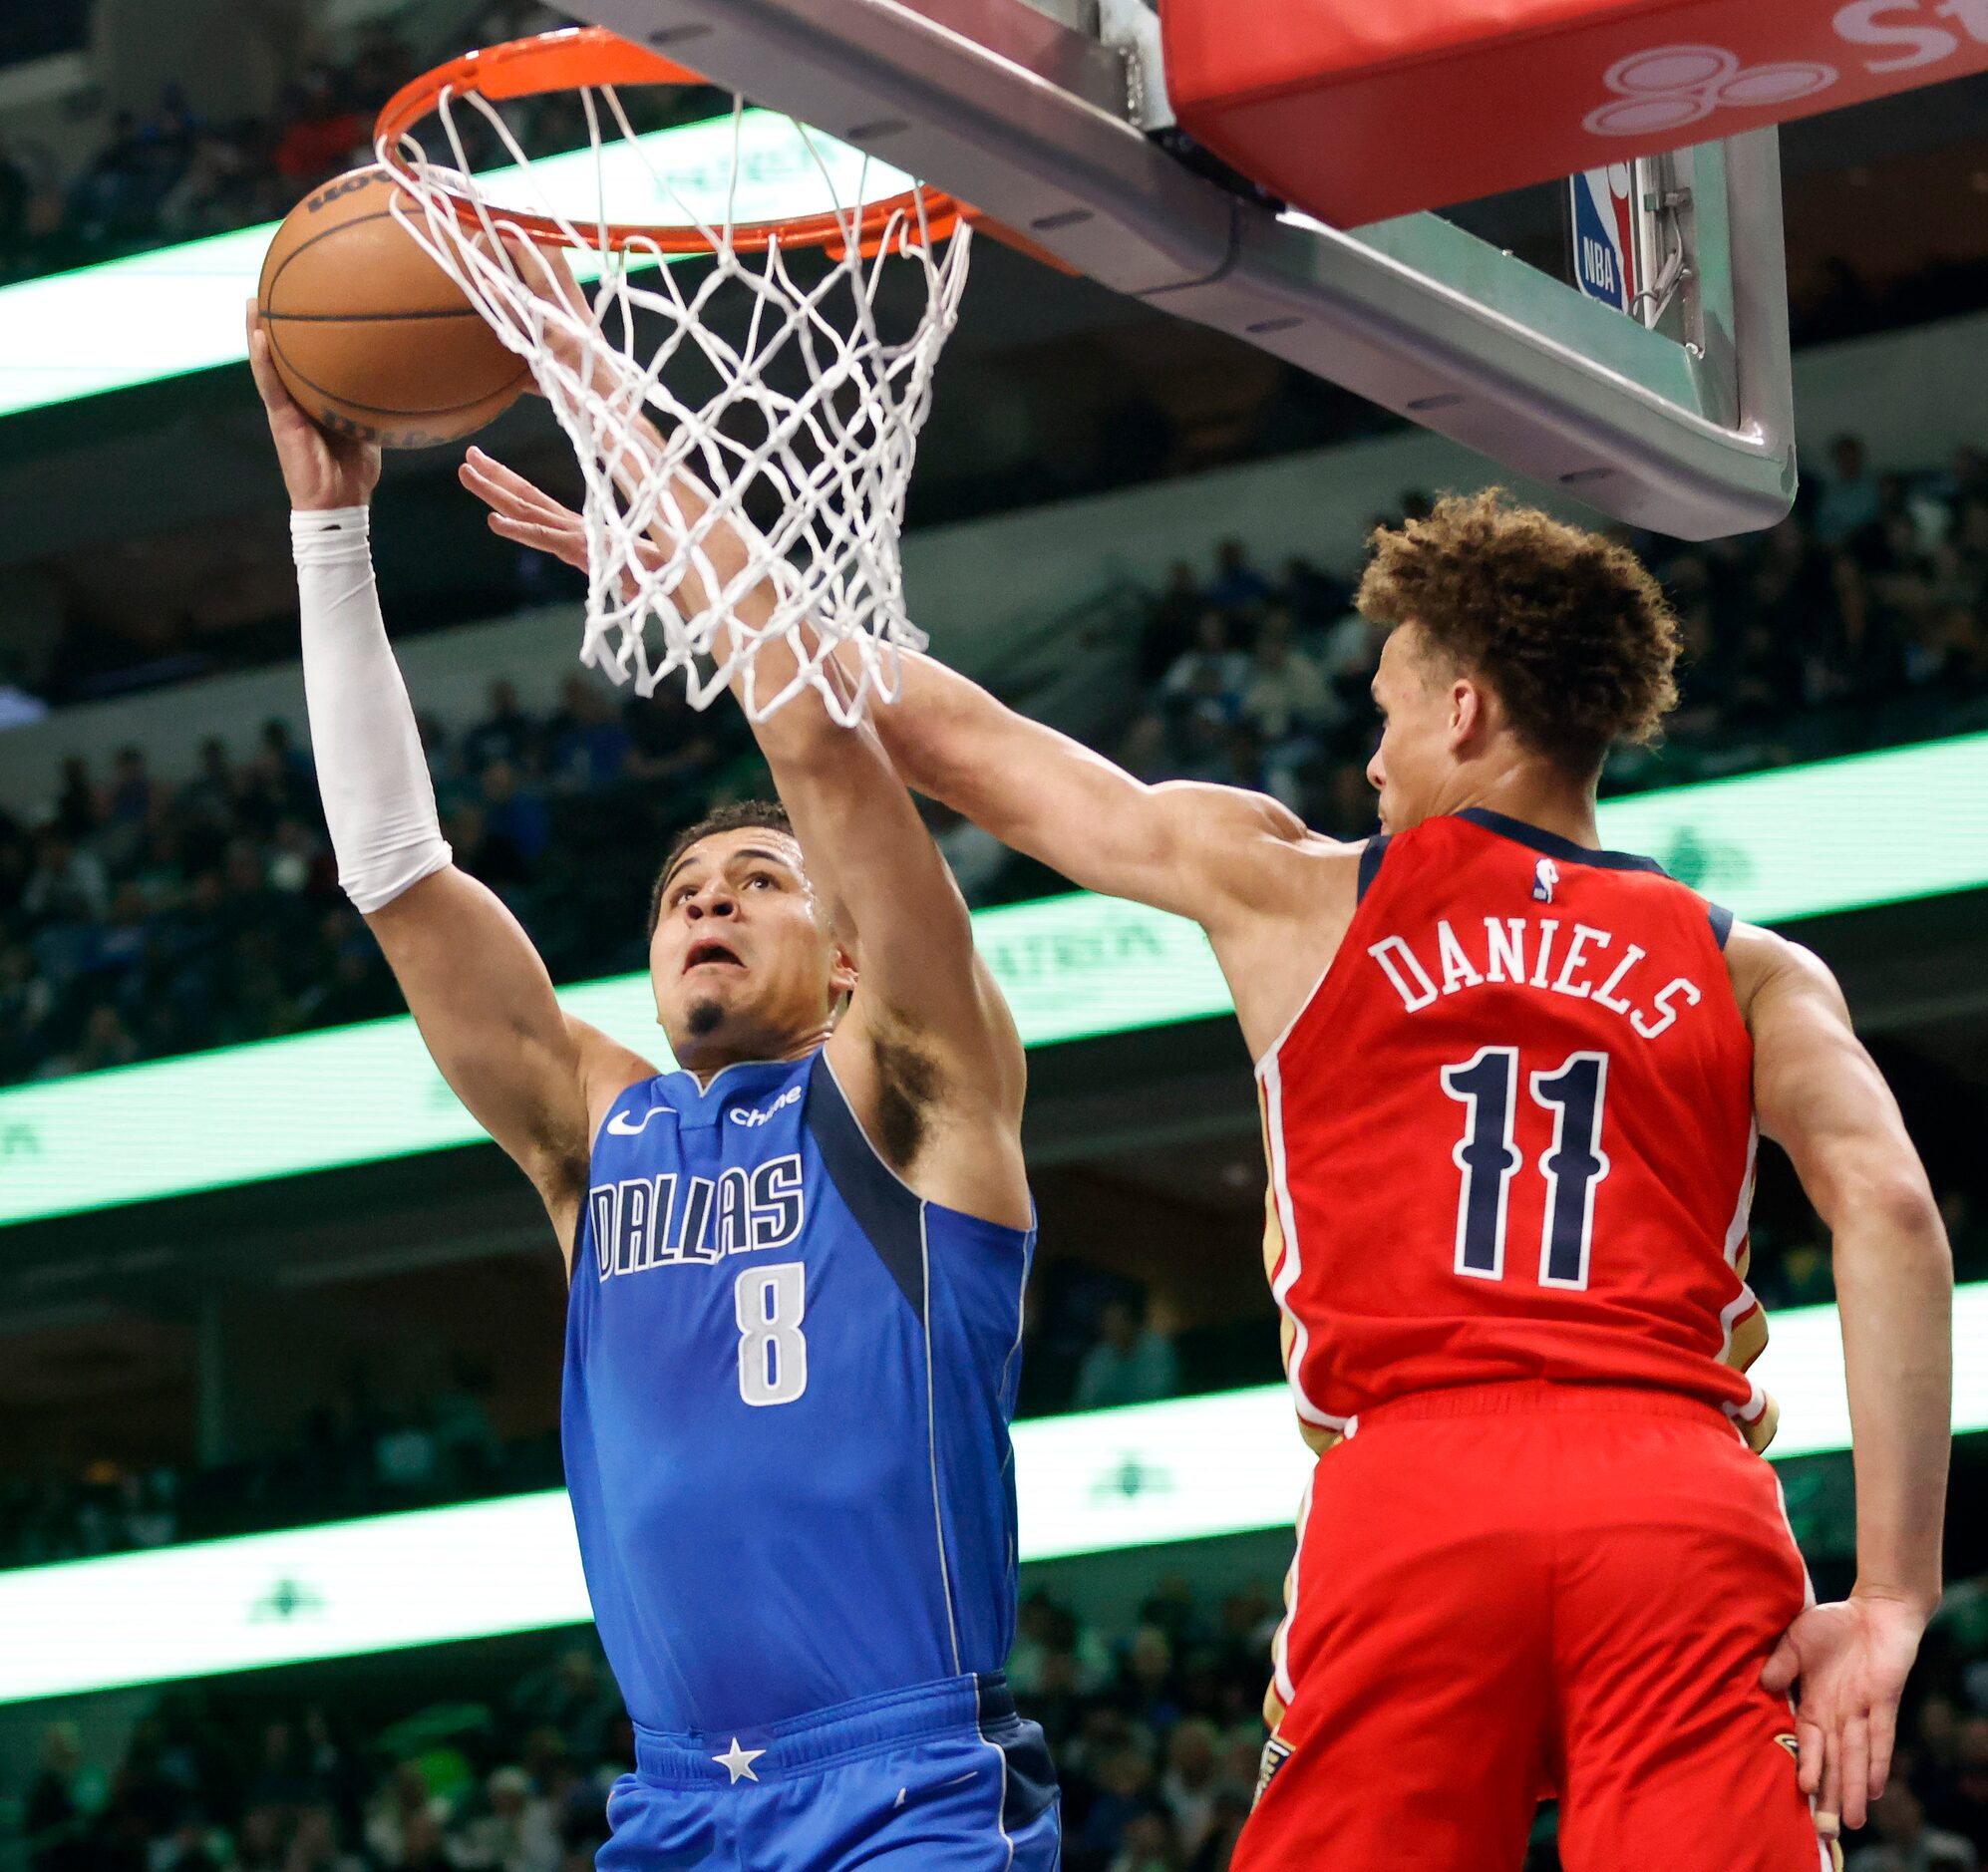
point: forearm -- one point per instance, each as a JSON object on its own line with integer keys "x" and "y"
{"x": 1018, "y": 778}
{"x": 1894, "y": 1293}
{"x": 723, "y": 549}
{"x": 379, "y": 804}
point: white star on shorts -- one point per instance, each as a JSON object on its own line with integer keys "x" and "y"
{"x": 737, "y": 1761}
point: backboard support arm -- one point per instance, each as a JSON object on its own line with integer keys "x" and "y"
{"x": 1029, "y": 119}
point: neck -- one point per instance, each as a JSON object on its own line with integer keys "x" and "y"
{"x": 1534, "y": 793}
{"x": 704, "y": 1061}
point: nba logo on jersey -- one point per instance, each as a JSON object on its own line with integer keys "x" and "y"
{"x": 1545, "y": 874}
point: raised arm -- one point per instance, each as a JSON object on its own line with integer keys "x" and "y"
{"x": 1821, "y": 1098}
{"x": 891, "y": 896}
{"x": 1216, "y": 854}
{"x": 475, "y": 986}
{"x": 928, "y": 1050}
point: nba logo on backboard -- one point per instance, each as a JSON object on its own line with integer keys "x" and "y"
{"x": 1604, "y": 221}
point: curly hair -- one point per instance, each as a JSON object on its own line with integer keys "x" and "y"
{"x": 1567, "y": 627}
{"x": 736, "y": 818}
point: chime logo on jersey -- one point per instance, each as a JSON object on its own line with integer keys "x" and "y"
{"x": 645, "y": 1222}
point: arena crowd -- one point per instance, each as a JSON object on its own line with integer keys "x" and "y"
{"x": 1155, "y": 1729}
{"x": 145, "y": 919}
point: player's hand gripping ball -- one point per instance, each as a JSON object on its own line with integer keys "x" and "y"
{"x": 369, "y": 335}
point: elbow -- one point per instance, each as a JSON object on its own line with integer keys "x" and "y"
{"x": 1908, "y": 1210}
{"x": 916, "y": 748}
{"x": 1898, "y": 1209}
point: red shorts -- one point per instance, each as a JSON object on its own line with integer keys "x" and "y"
{"x": 1513, "y": 1589}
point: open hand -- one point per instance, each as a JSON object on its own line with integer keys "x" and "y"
{"x": 320, "y": 470}
{"x": 1846, "y": 1664}
{"x": 523, "y": 511}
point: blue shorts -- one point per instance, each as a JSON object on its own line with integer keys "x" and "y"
{"x": 945, "y": 1776}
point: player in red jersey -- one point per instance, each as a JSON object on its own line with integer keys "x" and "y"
{"x": 1512, "y": 1087}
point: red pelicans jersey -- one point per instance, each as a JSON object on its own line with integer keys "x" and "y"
{"x": 1511, "y": 1133}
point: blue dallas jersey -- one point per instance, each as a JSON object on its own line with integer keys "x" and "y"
{"x": 788, "y": 1388}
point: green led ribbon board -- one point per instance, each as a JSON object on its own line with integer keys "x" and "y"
{"x": 1799, "y": 841}
{"x": 1190, "y": 1468}
{"x": 72, "y": 335}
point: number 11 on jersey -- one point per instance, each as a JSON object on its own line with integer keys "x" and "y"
{"x": 1487, "y": 1086}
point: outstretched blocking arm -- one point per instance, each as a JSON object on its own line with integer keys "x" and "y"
{"x": 1821, "y": 1098}
{"x": 1215, "y": 854}
{"x": 475, "y": 986}
{"x": 1212, "y": 853}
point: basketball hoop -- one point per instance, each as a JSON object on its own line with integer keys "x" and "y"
{"x": 785, "y": 392}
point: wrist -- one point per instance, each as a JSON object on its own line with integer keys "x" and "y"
{"x": 1921, "y": 1601}
{"x": 318, "y": 534}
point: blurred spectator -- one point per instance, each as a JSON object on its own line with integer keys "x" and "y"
{"x": 1208, "y": 679}
{"x": 1849, "y": 498}
{"x": 325, "y": 135}
{"x": 1192, "y": 1784}
{"x": 1963, "y": 1799}
{"x": 505, "y": 733}
{"x": 1131, "y": 1362}
{"x": 589, "y": 747}
{"x": 53, "y": 1819}
{"x": 404, "y": 1821}
{"x": 574, "y": 1697}
{"x": 1904, "y": 1842}
{"x": 1238, "y": 585}
{"x": 516, "y": 1833}
{"x": 67, "y": 884}
{"x": 1168, "y": 630}
{"x": 314, "y": 1843}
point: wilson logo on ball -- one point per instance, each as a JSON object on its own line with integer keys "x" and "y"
{"x": 1670, "y": 87}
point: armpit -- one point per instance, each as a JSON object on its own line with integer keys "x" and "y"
{"x": 909, "y": 1085}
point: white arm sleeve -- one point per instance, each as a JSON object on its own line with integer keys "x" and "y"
{"x": 379, "y": 804}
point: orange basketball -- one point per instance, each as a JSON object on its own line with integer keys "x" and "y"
{"x": 369, "y": 335}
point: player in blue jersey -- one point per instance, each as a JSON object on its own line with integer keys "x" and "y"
{"x": 797, "y": 1265}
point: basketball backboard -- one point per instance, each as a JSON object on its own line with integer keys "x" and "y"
{"x": 1042, "y": 115}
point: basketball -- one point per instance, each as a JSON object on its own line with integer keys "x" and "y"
{"x": 368, "y": 333}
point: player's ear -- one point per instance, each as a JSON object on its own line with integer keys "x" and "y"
{"x": 1471, "y": 715}
{"x": 842, "y": 975}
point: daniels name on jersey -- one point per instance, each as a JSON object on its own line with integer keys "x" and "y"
{"x": 1582, "y": 962}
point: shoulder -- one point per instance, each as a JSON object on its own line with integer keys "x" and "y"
{"x": 1765, "y": 965}
{"x": 607, "y": 1069}
{"x": 1256, "y": 852}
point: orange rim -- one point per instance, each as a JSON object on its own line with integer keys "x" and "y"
{"x": 582, "y": 56}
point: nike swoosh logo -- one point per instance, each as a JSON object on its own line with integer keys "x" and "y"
{"x": 621, "y": 1127}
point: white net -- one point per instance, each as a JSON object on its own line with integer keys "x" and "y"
{"x": 746, "y": 421}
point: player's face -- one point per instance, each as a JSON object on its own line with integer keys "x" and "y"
{"x": 744, "y": 963}
{"x": 1417, "y": 754}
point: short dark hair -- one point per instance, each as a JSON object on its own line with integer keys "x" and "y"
{"x": 1568, "y": 627}
{"x": 735, "y": 818}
